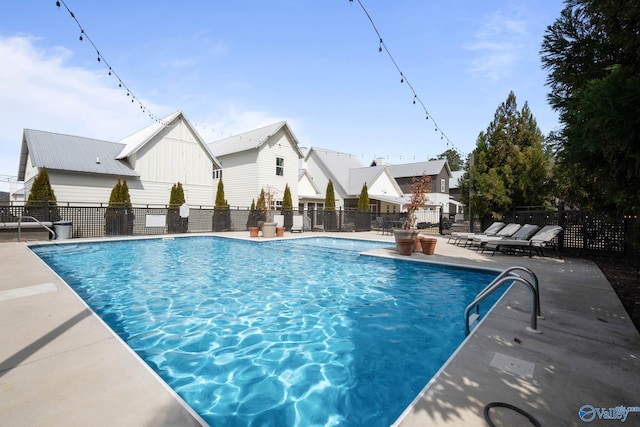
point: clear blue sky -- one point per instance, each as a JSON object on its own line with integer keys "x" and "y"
{"x": 237, "y": 65}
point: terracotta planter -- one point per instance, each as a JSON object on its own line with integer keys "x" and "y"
{"x": 428, "y": 245}
{"x": 405, "y": 234}
{"x": 418, "y": 246}
{"x": 253, "y": 231}
{"x": 279, "y": 231}
{"x": 405, "y": 246}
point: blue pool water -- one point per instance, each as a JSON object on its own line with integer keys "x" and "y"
{"x": 298, "y": 333}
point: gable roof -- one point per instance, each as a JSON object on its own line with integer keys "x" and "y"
{"x": 136, "y": 141}
{"x": 369, "y": 175}
{"x": 406, "y": 170}
{"x": 71, "y": 153}
{"x": 338, "y": 166}
{"x": 252, "y": 140}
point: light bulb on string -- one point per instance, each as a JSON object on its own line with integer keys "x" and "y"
{"x": 109, "y": 70}
{"x": 81, "y": 33}
{"x": 58, "y": 3}
{"x": 401, "y": 78}
{"x": 98, "y": 56}
{"x": 380, "y": 48}
{"x": 414, "y": 100}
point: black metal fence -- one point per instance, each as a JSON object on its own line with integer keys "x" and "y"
{"x": 102, "y": 220}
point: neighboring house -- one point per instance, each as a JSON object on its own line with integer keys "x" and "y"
{"x": 440, "y": 174}
{"x": 348, "y": 175}
{"x": 84, "y": 170}
{"x": 264, "y": 158}
{"x": 455, "y": 202}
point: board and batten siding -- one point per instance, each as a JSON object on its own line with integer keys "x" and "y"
{"x": 384, "y": 187}
{"x": 174, "y": 155}
{"x": 321, "y": 179}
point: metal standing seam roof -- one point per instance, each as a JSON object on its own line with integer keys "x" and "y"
{"x": 432, "y": 167}
{"x": 339, "y": 166}
{"x": 72, "y": 153}
{"x": 250, "y": 140}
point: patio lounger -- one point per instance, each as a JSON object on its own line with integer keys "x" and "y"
{"x": 298, "y": 223}
{"x": 541, "y": 239}
{"x": 490, "y": 231}
{"x": 524, "y": 233}
{"x": 506, "y": 231}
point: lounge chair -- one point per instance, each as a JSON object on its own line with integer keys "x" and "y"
{"x": 279, "y": 220}
{"x": 490, "y": 231}
{"x": 524, "y": 233}
{"x": 298, "y": 224}
{"x": 537, "y": 242}
{"x": 506, "y": 231}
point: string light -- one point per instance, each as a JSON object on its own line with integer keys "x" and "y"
{"x": 100, "y": 58}
{"x": 403, "y": 77}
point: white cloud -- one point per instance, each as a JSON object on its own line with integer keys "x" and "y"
{"x": 498, "y": 44}
{"x": 40, "y": 90}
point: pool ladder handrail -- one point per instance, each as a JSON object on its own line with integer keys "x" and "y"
{"x": 509, "y": 276}
{"x": 36, "y": 220}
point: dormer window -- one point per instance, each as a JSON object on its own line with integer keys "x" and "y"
{"x": 279, "y": 166}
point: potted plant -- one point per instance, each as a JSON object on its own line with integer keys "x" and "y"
{"x": 252, "y": 221}
{"x": 419, "y": 188}
{"x": 268, "y": 196}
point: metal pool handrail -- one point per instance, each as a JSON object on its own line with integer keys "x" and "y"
{"x": 27, "y": 216}
{"x": 508, "y": 276}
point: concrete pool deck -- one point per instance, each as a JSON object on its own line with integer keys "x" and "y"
{"x": 60, "y": 365}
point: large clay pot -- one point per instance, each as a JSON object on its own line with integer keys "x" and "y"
{"x": 428, "y": 245}
{"x": 405, "y": 234}
{"x": 253, "y": 231}
{"x": 405, "y": 246}
{"x": 269, "y": 229}
{"x": 279, "y": 231}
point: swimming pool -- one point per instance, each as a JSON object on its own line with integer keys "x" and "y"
{"x": 295, "y": 332}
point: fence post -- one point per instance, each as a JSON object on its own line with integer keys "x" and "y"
{"x": 561, "y": 224}
{"x": 45, "y": 211}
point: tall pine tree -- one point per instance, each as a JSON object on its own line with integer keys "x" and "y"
{"x": 511, "y": 164}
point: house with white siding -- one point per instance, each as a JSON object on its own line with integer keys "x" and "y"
{"x": 264, "y": 158}
{"x": 348, "y": 175}
{"x": 84, "y": 170}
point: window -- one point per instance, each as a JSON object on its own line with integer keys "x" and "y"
{"x": 279, "y": 166}
{"x": 217, "y": 173}
{"x": 443, "y": 187}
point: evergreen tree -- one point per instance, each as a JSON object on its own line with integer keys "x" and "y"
{"x": 176, "y": 198}
{"x": 119, "y": 214}
{"x": 453, "y": 159}
{"x": 511, "y": 163}
{"x": 175, "y": 222}
{"x": 592, "y": 53}
{"x": 330, "y": 197}
{"x": 363, "y": 200}
{"x": 41, "y": 193}
{"x": 287, "y": 208}
{"x": 41, "y": 190}
{"x": 221, "y": 202}
{"x": 221, "y": 213}
{"x": 287, "y": 203}
{"x": 261, "y": 206}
